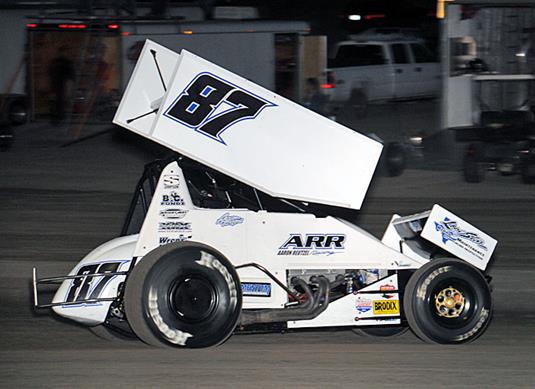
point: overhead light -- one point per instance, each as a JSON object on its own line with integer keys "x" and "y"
{"x": 354, "y": 18}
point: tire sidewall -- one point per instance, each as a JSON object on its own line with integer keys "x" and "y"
{"x": 419, "y": 297}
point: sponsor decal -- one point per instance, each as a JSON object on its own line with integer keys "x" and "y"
{"x": 363, "y": 305}
{"x": 173, "y": 213}
{"x": 256, "y": 289}
{"x": 172, "y": 199}
{"x": 210, "y": 105}
{"x": 174, "y": 226}
{"x": 168, "y": 239}
{"x": 313, "y": 244}
{"x": 468, "y": 241}
{"x": 385, "y": 288}
{"x": 228, "y": 220}
{"x": 171, "y": 181}
{"x": 386, "y": 307}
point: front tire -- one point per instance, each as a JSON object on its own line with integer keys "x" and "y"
{"x": 448, "y": 301}
{"x": 183, "y": 294}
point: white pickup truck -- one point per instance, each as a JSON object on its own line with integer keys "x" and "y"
{"x": 373, "y": 70}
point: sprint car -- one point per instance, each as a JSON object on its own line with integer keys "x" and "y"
{"x": 240, "y": 231}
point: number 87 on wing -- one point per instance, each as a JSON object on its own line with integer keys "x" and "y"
{"x": 210, "y": 105}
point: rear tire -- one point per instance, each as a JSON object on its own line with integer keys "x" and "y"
{"x": 183, "y": 294}
{"x": 447, "y": 301}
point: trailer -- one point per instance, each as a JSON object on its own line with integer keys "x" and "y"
{"x": 488, "y": 62}
{"x": 101, "y": 53}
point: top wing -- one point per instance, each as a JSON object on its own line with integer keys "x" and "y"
{"x": 245, "y": 131}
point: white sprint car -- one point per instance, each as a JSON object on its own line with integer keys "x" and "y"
{"x": 238, "y": 233}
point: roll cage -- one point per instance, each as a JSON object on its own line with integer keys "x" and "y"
{"x": 212, "y": 189}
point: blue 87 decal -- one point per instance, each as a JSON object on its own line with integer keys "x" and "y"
{"x": 210, "y": 105}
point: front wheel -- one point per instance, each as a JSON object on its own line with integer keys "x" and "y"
{"x": 448, "y": 301}
{"x": 183, "y": 294}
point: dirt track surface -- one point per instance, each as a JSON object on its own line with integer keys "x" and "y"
{"x": 59, "y": 203}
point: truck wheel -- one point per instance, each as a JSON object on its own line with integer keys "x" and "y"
{"x": 380, "y": 331}
{"x": 358, "y": 103}
{"x": 183, "y": 294}
{"x": 473, "y": 165}
{"x": 447, "y": 301}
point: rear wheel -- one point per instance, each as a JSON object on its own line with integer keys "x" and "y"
{"x": 183, "y": 294}
{"x": 448, "y": 301}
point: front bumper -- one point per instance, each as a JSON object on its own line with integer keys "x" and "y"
{"x": 60, "y": 279}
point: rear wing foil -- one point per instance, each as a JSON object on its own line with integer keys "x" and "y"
{"x": 443, "y": 229}
{"x": 226, "y": 122}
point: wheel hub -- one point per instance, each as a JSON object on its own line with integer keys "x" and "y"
{"x": 193, "y": 298}
{"x": 449, "y": 303}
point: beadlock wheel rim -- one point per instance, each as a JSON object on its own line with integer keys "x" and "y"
{"x": 449, "y": 303}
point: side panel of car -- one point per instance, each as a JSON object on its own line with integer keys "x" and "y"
{"x": 278, "y": 242}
